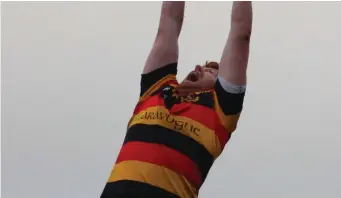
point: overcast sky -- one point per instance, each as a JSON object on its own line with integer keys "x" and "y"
{"x": 70, "y": 80}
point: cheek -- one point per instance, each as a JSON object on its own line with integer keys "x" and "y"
{"x": 211, "y": 76}
{"x": 210, "y": 79}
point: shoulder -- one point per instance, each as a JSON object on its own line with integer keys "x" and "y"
{"x": 229, "y": 101}
{"x": 230, "y": 97}
{"x": 155, "y": 79}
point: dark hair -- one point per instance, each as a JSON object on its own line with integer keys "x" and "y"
{"x": 212, "y": 64}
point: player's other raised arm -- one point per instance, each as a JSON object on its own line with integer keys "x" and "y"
{"x": 165, "y": 49}
{"x": 233, "y": 63}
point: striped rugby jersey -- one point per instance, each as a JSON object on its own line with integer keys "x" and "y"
{"x": 172, "y": 142}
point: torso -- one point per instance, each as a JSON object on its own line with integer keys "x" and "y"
{"x": 174, "y": 139}
{"x": 172, "y": 142}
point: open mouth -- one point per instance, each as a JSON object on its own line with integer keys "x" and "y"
{"x": 193, "y": 76}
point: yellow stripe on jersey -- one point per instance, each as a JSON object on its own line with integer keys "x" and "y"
{"x": 156, "y": 86}
{"x": 228, "y": 121}
{"x": 159, "y": 115}
{"x": 159, "y": 176}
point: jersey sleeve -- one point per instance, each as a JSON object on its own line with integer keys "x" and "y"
{"x": 152, "y": 81}
{"x": 228, "y": 105}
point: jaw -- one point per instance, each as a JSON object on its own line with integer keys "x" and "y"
{"x": 187, "y": 87}
{"x": 196, "y": 81}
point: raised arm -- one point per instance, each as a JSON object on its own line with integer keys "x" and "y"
{"x": 165, "y": 49}
{"x": 233, "y": 63}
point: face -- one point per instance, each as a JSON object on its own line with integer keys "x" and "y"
{"x": 201, "y": 78}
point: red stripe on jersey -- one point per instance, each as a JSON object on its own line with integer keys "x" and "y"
{"x": 205, "y": 115}
{"x": 166, "y": 157}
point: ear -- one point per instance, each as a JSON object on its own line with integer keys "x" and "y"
{"x": 213, "y": 65}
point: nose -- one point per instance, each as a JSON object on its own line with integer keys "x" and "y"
{"x": 198, "y": 68}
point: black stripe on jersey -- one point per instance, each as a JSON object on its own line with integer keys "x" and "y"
{"x": 205, "y": 98}
{"x": 149, "y": 79}
{"x": 174, "y": 140}
{"x": 134, "y": 189}
{"x": 230, "y": 103}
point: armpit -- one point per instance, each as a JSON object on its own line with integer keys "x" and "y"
{"x": 231, "y": 88}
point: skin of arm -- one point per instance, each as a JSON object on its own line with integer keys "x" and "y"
{"x": 165, "y": 49}
{"x": 234, "y": 61}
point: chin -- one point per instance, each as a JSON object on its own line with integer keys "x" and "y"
{"x": 190, "y": 81}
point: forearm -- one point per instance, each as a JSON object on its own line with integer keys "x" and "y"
{"x": 233, "y": 64}
{"x": 165, "y": 49}
{"x": 241, "y": 17}
{"x": 172, "y": 16}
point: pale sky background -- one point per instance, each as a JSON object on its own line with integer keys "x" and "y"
{"x": 70, "y": 80}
